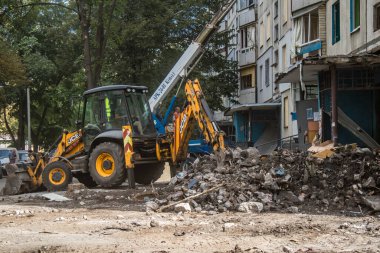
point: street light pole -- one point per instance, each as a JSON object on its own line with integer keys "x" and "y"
{"x": 28, "y": 112}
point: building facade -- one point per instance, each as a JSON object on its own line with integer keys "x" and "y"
{"x": 309, "y": 74}
{"x": 333, "y": 71}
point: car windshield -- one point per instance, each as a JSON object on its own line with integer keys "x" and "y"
{"x": 4, "y": 153}
{"x": 140, "y": 114}
{"x": 23, "y": 156}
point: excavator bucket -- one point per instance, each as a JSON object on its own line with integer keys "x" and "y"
{"x": 19, "y": 180}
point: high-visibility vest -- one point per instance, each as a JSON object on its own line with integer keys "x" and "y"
{"x": 108, "y": 108}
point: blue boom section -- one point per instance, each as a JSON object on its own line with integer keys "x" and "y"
{"x": 198, "y": 146}
{"x": 160, "y": 124}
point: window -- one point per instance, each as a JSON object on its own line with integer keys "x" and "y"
{"x": 261, "y": 34}
{"x": 275, "y": 9}
{"x": 311, "y": 91}
{"x": 376, "y": 17}
{"x": 267, "y": 72}
{"x": 269, "y": 26}
{"x": 283, "y": 62}
{"x": 310, "y": 26}
{"x": 355, "y": 14}
{"x": 245, "y": 3}
{"x": 246, "y": 82}
{"x": 335, "y": 22}
{"x": 286, "y": 112}
{"x": 285, "y": 12}
{"x": 275, "y": 33}
{"x": 244, "y": 38}
{"x": 275, "y": 59}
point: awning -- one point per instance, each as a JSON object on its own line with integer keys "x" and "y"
{"x": 300, "y": 12}
{"x": 309, "y": 73}
{"x": 252, "y": 107}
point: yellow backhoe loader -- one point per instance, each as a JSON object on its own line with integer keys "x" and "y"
{"x": 117, "y": 140}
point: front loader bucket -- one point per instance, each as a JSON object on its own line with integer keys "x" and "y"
{"x": 18, "y": 181}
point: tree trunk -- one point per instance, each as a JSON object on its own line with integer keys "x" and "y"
{"x": 21, "y": 122}
{"x": 10, "y": 132}
{"x": 84, "y": 13}
{"x": 101, "y": 39}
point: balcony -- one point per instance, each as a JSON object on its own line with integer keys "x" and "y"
{"x": 309, "y": 47}
{"x": 247, "y": 56}
{"x": 247, "y": 16}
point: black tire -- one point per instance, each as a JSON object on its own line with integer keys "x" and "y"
{"x": 86, "y": 179}
{"x": 131, "y": 178}
{"x": 104, "y": 177}
{"x": 52, "y": 176}
{"x": 148, "y": 173}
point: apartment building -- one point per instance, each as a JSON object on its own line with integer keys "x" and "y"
{"x": 230, "y": 51}
{"x": 333, "y": 71}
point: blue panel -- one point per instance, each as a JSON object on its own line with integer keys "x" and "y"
{"x": 311, "y": 47}
{"x": 257, "y": 130}
{"x": 358, "y": 105}
{"x": 239, "y": 124}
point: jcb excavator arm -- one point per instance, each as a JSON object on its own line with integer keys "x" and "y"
{"x": 198, "y": 112}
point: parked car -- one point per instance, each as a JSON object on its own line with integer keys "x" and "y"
{"x": 23, "y": 156}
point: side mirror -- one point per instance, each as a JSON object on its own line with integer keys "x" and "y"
{"x": 78, "y": 123}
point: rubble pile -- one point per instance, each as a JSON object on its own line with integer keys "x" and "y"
{"x": 246, "y": 181}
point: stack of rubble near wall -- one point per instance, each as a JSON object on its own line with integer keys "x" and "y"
{"x": 285, "y": 181}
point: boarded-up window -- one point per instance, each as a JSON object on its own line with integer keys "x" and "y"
{"x": 269, "y": 26}
{"x": 262, "y": 32}
{"x": 286, "y": 112}
{"x": 283, "y": 64}
{"x": 284, "y": 12}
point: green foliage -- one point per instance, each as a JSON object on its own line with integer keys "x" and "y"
{"x": 43, "y": 49}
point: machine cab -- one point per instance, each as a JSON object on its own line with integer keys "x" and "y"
{"x": 109, "y": 108}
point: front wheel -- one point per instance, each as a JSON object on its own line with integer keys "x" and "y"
{"x": 107, "y": 166}
{"x": 56, "y": 176}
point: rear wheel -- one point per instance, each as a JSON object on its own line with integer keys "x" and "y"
{"x": 148, "y": 173}
{"x": 56, "y": 176}
{"x": 107, "y": 166}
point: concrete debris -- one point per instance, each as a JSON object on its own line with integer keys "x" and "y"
{"x": 284, "y": 180}
{"x": 373, "y": 202}
{"x": 55, "y": 197}
{"x": 182, "y": 207}
{"x": 250, "y": 207}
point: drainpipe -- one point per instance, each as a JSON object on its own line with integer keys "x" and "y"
{"x": 334, "y": 107}
{"x": 249, "y": 128}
